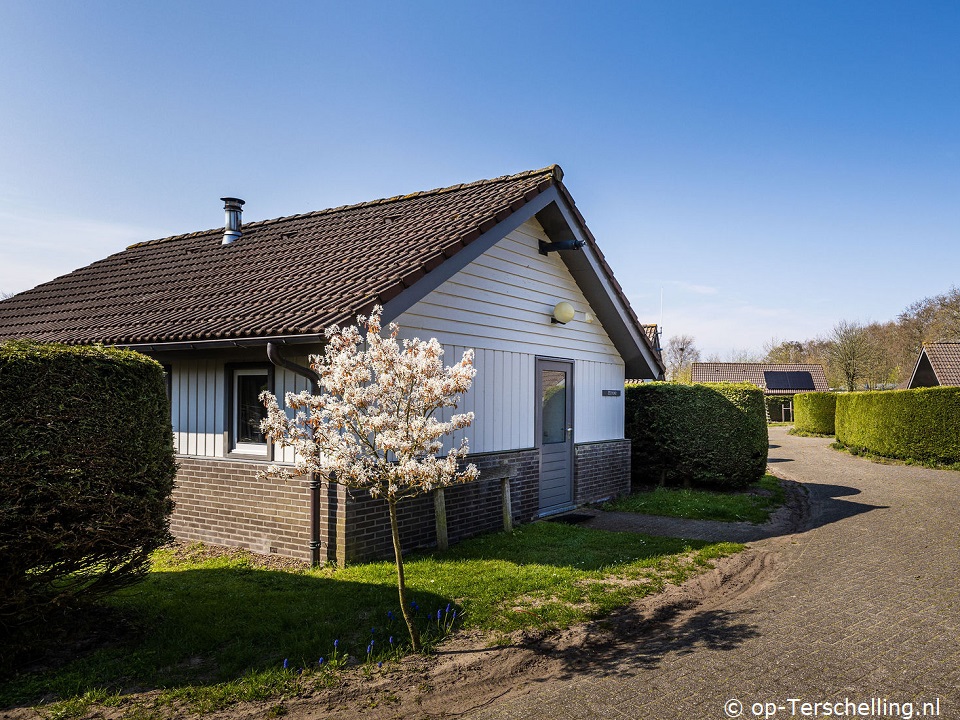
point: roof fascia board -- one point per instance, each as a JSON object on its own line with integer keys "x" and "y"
{"x": 410, "y": 296}
{"x": 614, "y": 316}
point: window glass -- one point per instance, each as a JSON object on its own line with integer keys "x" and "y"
{"x": 554, "y": 403}
{"x": 249, "y": 410}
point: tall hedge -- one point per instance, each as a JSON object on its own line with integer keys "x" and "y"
{"x": 815, "y": 412}
{"x": 921, "y": 424}
{"x": 706, "y": 435}
{"x": 86, "y": 472}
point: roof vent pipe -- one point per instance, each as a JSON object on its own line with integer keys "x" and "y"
{"x": 232, "y": 211}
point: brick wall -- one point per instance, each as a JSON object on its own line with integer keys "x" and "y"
{"x": 223, "y": 502}
{"x": 472, "y": 508}
{"x": 601, "y": 470}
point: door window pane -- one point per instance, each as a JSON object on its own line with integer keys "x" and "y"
{"x": 250, "y": 411}
{"x": 554, "y": 406}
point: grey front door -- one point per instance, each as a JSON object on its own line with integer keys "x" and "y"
{"x": 555, "y": 434}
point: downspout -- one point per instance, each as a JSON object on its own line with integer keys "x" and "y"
{"x": 273, "y": 353}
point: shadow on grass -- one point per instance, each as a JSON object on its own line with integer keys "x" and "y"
{"x": 201, "y": 627}
{"x": 569, "y": 546}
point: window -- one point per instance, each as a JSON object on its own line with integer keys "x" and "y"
{"x": 247, "y": 411}
{"x": 168, "y": 380}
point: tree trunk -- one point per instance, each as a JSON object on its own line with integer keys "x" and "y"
{"x": 401, "y": 585}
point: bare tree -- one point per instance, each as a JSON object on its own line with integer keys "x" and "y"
{"x": 786, "y": 351}
{"x": 744, "y": 355}
{"x": 853, "y": 353}
{"x": 681, "y": 351}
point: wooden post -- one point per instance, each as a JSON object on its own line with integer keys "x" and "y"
{"x": 440, "y": 514}
{"x": 507, "y": 511}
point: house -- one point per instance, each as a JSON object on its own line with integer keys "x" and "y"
{"x": 937, "y": 364}
{"x": 777, "y": 380}
{"x": 653, "y": 336}
{"x": 772, "y": 378}
{"x": 505, "y": 266}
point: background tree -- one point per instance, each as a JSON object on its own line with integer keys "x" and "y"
{"x": 785, "y": 351}
{"x": 679, "y": 354}
{"x": 735, "y": 355}
{"x": 884, "y": 367}
{"x": 852, "y": 353}
{"x": 375, "y": 425}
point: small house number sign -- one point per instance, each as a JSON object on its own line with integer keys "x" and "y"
{"x": 611, "y": 393}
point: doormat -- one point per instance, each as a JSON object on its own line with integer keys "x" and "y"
{"x": 570, "y": 518}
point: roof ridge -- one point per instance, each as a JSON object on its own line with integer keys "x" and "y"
{"x": 555, "y": 171}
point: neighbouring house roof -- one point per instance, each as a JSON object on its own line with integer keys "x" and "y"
{"x": 937, "y": 364}
{"x": 292, "y": 277}
{"x": 653, "y": 335}
{"x": 772, "y": 378}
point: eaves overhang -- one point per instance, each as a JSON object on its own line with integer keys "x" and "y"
{"x": 553, "y": 210}
{"x": 562, "y": 221}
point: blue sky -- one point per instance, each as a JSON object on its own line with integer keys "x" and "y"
{"x": 774, "y": 167}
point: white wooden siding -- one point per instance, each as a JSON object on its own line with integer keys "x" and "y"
{"x": 500, "y": 305}
{"x": 197, "y": 402}
{"x": 286, "y": 381}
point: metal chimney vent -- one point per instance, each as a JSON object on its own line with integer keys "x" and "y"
{"x": 232, "y": 210}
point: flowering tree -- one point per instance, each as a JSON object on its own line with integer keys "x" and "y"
{"x": 374, "y": 424}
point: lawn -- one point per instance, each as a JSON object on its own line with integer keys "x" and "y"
{"x": 751, "y": 505}
{"x": 216, "y": 630}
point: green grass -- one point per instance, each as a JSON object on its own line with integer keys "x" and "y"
{"x": 753, "y": 505}
{"x": 804, "y": 433}
{"x": 217, "y": 630}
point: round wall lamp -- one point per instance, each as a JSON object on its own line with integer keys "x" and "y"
{"x": 563, "y": 313}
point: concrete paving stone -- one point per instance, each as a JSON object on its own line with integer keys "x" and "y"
{"x": 864, "y": 602}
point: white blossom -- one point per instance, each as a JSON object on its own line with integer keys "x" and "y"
{"x": 376, "y": 423}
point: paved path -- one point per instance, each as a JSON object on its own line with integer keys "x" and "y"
{"x": 863, "y": 604}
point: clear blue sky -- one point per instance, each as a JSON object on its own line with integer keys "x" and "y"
{"x": 773, "y": 166}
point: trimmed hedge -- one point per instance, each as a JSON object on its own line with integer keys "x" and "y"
{"x": 815, "y": 412}
{"x": 86, "y": 472}
{"x": 712, "y": 435}
{"x": 921, "y": 424}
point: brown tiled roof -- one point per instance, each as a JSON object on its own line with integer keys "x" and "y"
{"x": 292, "y": 276}
{"x": 753, "y": 373}
{"x": 944, "y": 358}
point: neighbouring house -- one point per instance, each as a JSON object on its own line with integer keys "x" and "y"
{"x": 777, "y": 380}
{"x": 506, "y": 266}
{"x": 772, "y": 378}
{"x": 653, "y": 336}
{"x": 937, "y": 364}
